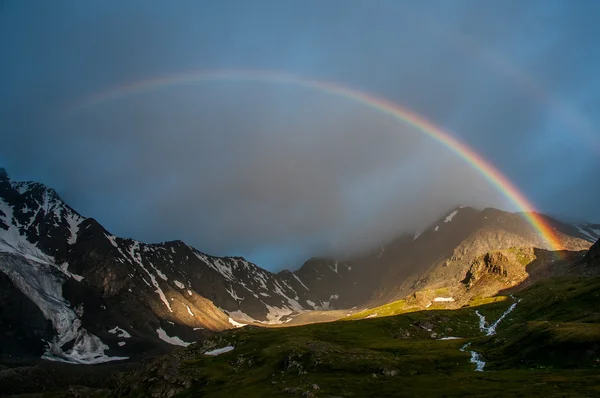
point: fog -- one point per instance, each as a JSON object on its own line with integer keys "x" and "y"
{"x": 278, "y": 172}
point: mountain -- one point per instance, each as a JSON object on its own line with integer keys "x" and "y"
{"x": 107, "y": 297}
{"x": 589, "y": 232}
{"x": 544, "y": 340}
{"x": 592, "y": 258}
{"x": 94, "y": 297}
{"x": 440, "y": 256}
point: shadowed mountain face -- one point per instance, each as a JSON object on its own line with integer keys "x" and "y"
{"x": 93, "y": 297}
{"x": 593, "y": 256}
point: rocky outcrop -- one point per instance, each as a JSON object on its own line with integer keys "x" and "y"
{"x": 593, "y": 255}
{"x": 495, "y": 264}
{"x": 498, "y": 270}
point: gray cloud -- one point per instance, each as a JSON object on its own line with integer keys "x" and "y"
{"x": 278, "y": 172}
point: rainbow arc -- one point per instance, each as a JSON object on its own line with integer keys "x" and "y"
{"x": 403, "y": 115}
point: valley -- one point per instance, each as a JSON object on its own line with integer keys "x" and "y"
{"x": 548, "y": 343}
{"x": 302, "y": 199}
{"x": 473, "y": 305}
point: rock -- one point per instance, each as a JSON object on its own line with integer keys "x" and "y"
{"x": 315, "y": 387}
{"x": 291, "y": 363}
{"x": 593, "y": 255}
{"x": 390, "y": 372}
{"x": 401, "y": 334}
{"x": 425, "y": 325}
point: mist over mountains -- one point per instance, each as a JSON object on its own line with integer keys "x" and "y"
{"x": 277, "y": 172}
{"x": 293, "y": 173}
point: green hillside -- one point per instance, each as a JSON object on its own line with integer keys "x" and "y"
{"x": 548, "y": 345}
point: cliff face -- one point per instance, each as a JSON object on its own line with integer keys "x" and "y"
{"x": 593, "y": 255}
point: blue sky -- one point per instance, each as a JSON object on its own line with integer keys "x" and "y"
{"x": 280, "y": 173}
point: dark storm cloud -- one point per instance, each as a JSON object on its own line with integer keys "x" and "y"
{"x": 278, "y": 172}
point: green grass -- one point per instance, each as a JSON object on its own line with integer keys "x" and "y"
{"x": 395, "y": 308}
{"x": 478, "y": 301}
{"x": 401, "y": 306}
{"x": 523, "y": 255}
{"x": 545, "y": 345}
{"x": 548, "y": 346}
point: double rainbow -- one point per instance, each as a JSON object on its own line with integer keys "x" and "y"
{"x": 493, "y": 175}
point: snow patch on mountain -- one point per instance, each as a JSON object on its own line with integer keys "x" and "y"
{"x": 40, "y": 279}
{"x": 223, "y": 268}
{"x": 64, "y": 267}
{"x": 158, "y": 272}
{"x": 219, "y": 351}
{"x": 236, "y": 324}
{"x": 179, "y": 284}
{"x": 451, "y": 216}
{"x": 241, "y": 316}
{"x": 138, "y": 260}
{"x": 20, "y": 186}
{"x": 591, "y": 233}
{"x": 73, "y": 220}
{"x": 11, "y": 241}
{"x": 299, "y": 281}
{"x": 417, "y": 234}
{"x": 112, "y": 240}
{"x": 42, "y": 284}
{"x": 443, "y": 299}
{"x": 275, "y": 314}
{"x": 121, "y": 332}
{"x": 233, "y": 294}
{"x": 171, "y": 340}
{"x": 189, "y": 310}
{"x": 294, "y": 305}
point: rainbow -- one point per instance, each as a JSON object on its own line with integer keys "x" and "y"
{"x": 493, "y": 175}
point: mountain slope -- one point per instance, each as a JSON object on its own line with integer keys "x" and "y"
{"x": 71, "y": 266}
{"x": 544, "y": 340}
{"x": 441, "y": 256}
{"x": 96, "y": 288}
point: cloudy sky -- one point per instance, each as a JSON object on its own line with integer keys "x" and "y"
{"x": 277, "y": 171}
